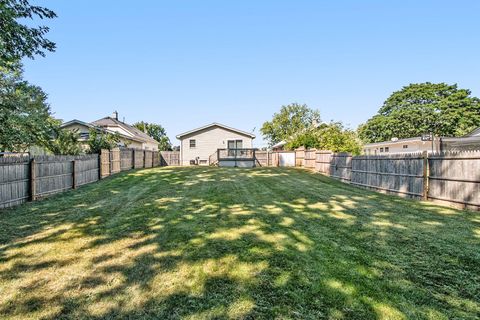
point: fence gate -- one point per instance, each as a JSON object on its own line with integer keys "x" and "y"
{"x": 115, "y": 161}
{"x": 286, "y": 159}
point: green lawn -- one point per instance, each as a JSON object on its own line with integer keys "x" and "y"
{"x": 202, "y": 243}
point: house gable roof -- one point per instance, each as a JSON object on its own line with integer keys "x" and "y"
{"x": 98, "y": 128}
{"x": 215, "y": 124}
{"x": 280, "y": 144}
{"x": 136, "y": 134}
{"x": 75, "y": 121}
{"x": 474, "y": 133}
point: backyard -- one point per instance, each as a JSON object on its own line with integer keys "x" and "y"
{"x": 202, "y": 243}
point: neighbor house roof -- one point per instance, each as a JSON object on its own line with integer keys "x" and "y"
{"x": 75, "y": 121}
{"x": 279, "y": 145}
{"x": 215, "y": 124}
{"x": 98, "y": 128}
{"x": 135, "y": 133}
{"x": 474, "y": 133}
{"x": 472, "y": 136}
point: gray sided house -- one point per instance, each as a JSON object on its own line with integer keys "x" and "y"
{"x": 203, "y": 145}
{"x": 129, "y": 136}
{"x": 468, "y": 142}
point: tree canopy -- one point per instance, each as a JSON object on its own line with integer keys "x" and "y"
{"x": 102, "y": 140}
{"x": 25, "y": 115}
{"x": 19, "y": 40}
{"x": 65, "y": 142}
{"x": 157, "y": 132}
{"x": 331, "y": 136}
{"x": 291, "y": 119}
{"x": 442, "y": 109}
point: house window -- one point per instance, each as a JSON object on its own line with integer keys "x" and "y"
{"x": 234, "y": 144}
{"x": 381, "y": 149}
{"x": 387, "y": 149}
{"x": 193, "y": 143}
{"x": 405, "y": 146}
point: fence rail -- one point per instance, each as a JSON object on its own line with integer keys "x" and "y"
{"x": 169, "y": 158}
{"x": 452, "y": 177}
{"x": 24, "y": 178}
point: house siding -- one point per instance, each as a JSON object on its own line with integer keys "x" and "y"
{"x": 207, "y": 142}
{"x": 124, "y": 140}
{"x": 396, "y": 147}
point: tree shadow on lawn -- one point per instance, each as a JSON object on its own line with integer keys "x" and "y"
{"x": 237, "y": 243}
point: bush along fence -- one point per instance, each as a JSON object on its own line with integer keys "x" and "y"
{"x": 24, "y": 178}
{"x": 450, "y": 177}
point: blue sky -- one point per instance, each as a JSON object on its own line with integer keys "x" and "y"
{"x": 184, "y": 64}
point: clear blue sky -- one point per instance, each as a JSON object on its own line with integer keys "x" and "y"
{"x": 184, "y": 64}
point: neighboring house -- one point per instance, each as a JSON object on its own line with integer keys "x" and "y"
{"x": 129, "y": 136}
{"x": 470, "y": 141}
{"x": 196, "y": 146}
{"x": 137, "y": 138}
{"x": 396, "y": 146}
{"x": 279, "y": 146}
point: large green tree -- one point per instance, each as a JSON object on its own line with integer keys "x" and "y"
{"x": 292, "y": 119}
{"x": 157, "y": 132}
{"x": 442, "y": 109}
{"x": 18, "y": 38}
{"x": 331, "y": 136}
{"x": 98, "y": 140}
{"x": 25, "y": 117}
{"x": 64, "y": 142}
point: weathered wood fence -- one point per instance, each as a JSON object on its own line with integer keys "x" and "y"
{"x": 452, "y": 177}
{"x": 26, "y": 178}
{"x": 170, "y": 158}
{"x": 265, "y": 158}
{"x": 30, "y": 178}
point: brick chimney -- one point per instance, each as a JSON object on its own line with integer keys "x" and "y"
{"x": 115, "y": 115}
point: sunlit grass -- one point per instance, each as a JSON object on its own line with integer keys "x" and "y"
{"x": 203, "y": 243}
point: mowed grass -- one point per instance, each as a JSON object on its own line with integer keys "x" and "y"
{"x": 265, "y": 243}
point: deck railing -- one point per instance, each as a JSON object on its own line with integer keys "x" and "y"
{"x": 236, "y": 154}
{"x": 213, "y": 158}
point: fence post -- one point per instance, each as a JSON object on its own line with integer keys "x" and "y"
{"x": 133, "y": 158}
{"x": 104, "y": 155}
{"x": 110, "y": 162}
{"x": 100, "y": 165}
{"x": 74, "y": 182}
{"x": 33, "y": 189}
{"x": 425, "y": 175}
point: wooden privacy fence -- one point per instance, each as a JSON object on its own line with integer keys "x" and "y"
{"x": 265, "y": 158}
{"x": 118, "y": 160}
{"x": 26, "y": 178}
{"x": 300, "y": 157}
{"x": 169, "y": 158}
{"x": 452, "y": 177}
